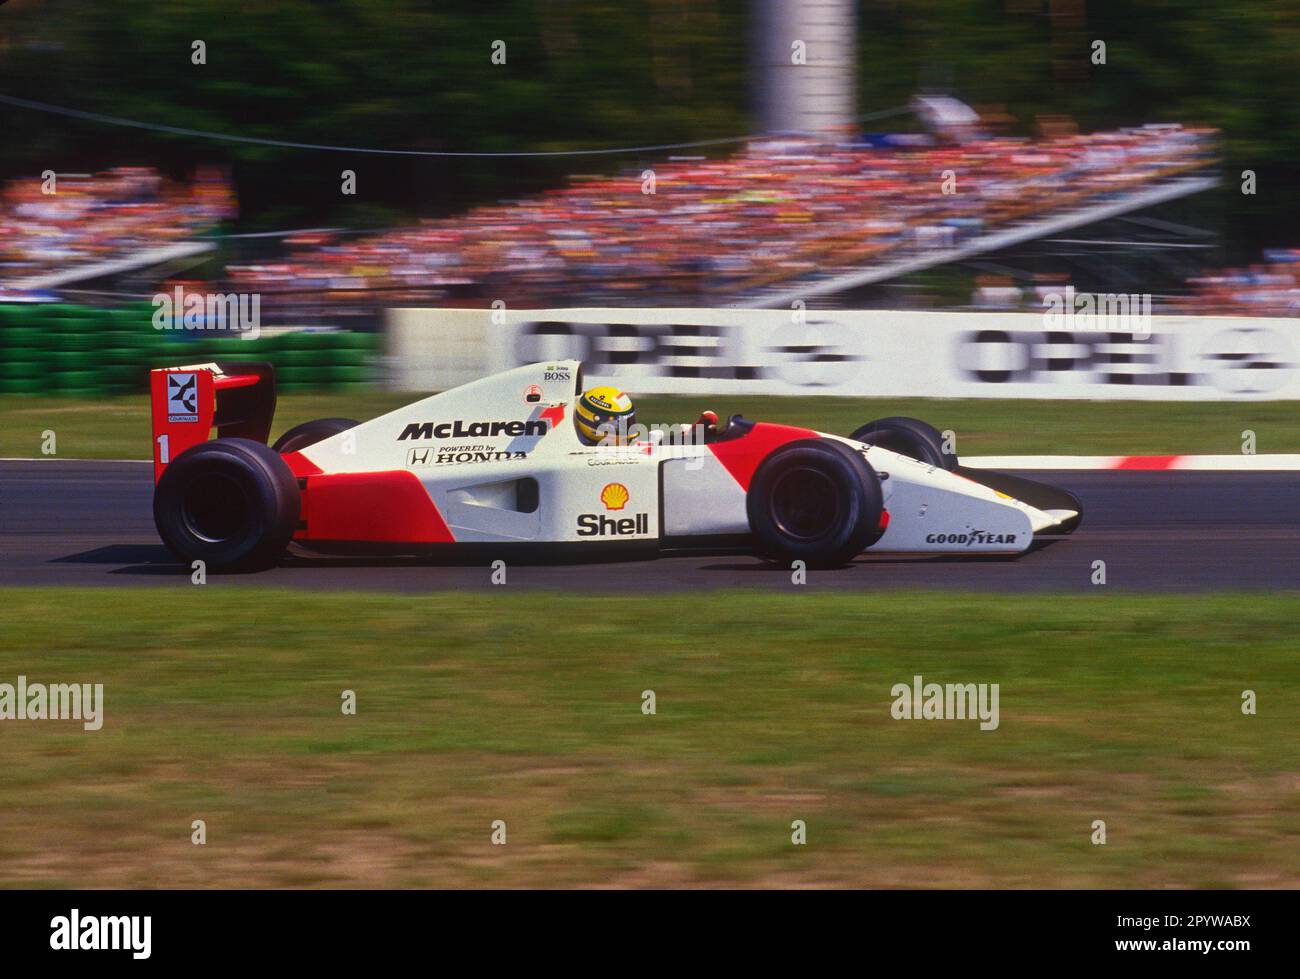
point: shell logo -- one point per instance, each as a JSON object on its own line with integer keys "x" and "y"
{"x": 614, "y": 496}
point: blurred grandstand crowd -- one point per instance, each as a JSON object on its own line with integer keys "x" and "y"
{"x": 77, "y": 219}
{"x": 782, "y": 210}
{"x": 1270, "y": 288}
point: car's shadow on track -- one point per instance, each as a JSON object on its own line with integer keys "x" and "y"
{"x": 132, "y": 559}
{"x": 1039, "y": 544}
{"x": 775, "y": 567}
{"x": 154, "y": 560}
{"x": 119, "y": 554}
{"x": 313, "y": 561}
{"x": 759, "y": 564}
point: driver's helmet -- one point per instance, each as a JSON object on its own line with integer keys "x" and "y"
{"x": 604, "y": 415}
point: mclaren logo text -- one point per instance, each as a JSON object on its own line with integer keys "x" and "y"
{"x": 471, "y": 430}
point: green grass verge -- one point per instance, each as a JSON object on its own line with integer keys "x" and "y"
{"x": 118, "y": 428}
{"x": 223, "y": 704}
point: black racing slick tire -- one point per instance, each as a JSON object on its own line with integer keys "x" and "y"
{"x": 910, "y": 437}
{"x": 817, "y": 501}
{"x": 231, "y": 503}
{"x": 309, "y": 433}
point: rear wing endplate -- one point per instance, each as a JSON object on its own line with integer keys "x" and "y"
{"x": 236, "y": 398}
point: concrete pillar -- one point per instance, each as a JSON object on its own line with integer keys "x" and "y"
{"x": 820, "y": 95}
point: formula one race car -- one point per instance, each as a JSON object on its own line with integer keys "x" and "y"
{"x": 499, "y": 463}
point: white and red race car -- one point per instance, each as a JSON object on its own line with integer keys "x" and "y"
{"x": 497, "y": 463}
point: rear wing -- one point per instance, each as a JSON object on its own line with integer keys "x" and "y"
{"x": 236, "y": 398}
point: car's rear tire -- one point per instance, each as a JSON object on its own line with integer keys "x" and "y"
{"x": 231, "y": 503}
{"x": 910, "y": 437}
{"x": 309, "y": 433}
{"x": 817, "y": 501}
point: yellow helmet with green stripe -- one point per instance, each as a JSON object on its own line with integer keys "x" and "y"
{"x": 604, "y": 415}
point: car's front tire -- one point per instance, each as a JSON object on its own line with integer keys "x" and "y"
{"x": 817, "y": 501}
{"x": 309, "y": 433}
{"x": 910, "y": 437}
{"x": 231, "y": 503}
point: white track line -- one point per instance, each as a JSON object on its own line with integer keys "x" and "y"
{"x": 1205, "y": 463}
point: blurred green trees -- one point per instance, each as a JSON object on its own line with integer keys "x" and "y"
{"x": 414, "y": 75}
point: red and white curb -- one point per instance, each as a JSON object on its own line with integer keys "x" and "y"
{"x": 1223, "y": 463}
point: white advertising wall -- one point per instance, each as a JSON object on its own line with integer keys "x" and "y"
{"x": 859, "y": 353}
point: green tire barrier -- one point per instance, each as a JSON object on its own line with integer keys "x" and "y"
{"x": 70, "y": 350}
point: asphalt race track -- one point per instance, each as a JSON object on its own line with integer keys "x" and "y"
{"x": 89, "y": 523}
